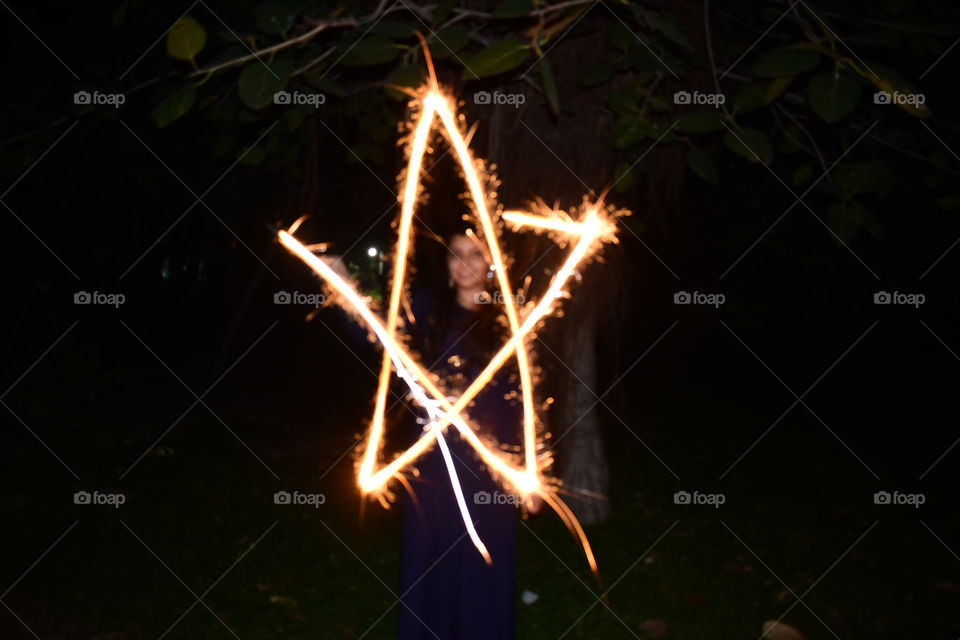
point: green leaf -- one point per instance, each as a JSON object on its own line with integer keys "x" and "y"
{"x": 699, "y": 160}
{"x": 175, "y": 106}
{"x": 621, "y": 102}
{"x": 786, "y": 62}
{"x": 845, "y": 220}
{"x": 749, "y": 97}
{"x": 499, "y": 57}
{"x": 259, "y": 81}
{"x": 395, "y": 29}
{"x": 628, "y": 130}
{"x": 700, "y": 121}
{"x": 186, "y": 39}
{"x": 802, "y": 175}
{"x": 253, "y": 157}
{"x": 757, "y": 144}
{"x": 623, "y": 177}
{"x": 448, "y": 41}
{"x": 775, "y": 88}
{"x": 512, "y": 9}
{"x": 833, "y": 96}
{"x": 442, "y": 11}
{"x": 404, "y": 76}
{"x": 275, "y": 18}
{"x": 372, "y": 49}
{"x": 667, "y": 28}
{"x": 597, "y": 73}
{"x": 621, "y": 37}
{"x": 549, "y": 86}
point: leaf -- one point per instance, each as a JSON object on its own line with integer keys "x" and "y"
{"x": 621, "y": 102}
{"x": 497, "y": 58}
{"x": 253, "y": 157}
{"x": 628, "y": 130}
{"x": 275, "y": 18}
{"x": 749, "y": 143}
{"x": 775, "y": 88}
{"x": 802, "y": 175}
{"x": 394, "y": 29}
{"x": 370, "y": 50}
{"x": 186, "y": 39}
{"x": 785, "y": 62}
{"x": 833, "y": 96}
{"x": 448, "y": 41}
{"x": 845, "y": 221}
{"x": 549, "y": 86}
{"x": 174, "y": 106}
{"x": 259, "y": 81}
{"x": 749, "y": 97}
{"x": 699, "y": 160}
{"x": 597, "y": 73}
{"x": 512, "y": 9}
{"x": 404, "y": 76}
{"x": 442, "y": 11}
{"x": 621, "y": 37}
{"x": 623, "y": 177}
{"x": 667, "y": 28}
{"x": 700, "y": 121}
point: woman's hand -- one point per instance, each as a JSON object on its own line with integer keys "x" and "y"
{"x": 534, "y": 504}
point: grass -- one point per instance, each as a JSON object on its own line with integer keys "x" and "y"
{"x": 798, "y": 509}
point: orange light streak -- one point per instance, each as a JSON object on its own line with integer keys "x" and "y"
{"x": 595, "y": 227}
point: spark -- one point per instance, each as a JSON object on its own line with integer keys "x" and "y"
{"x": 594, "y": 226}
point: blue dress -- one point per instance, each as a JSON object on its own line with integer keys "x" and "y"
{"x": 447, "y": 590}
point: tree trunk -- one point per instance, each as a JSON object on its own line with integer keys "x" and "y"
{"x": 583, "y": 465}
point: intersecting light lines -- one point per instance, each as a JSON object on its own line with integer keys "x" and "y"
{"x": 17, "y": 381}
{"x": 199, "y": 599}
{"x": 19, "y": 219}
{"x": 199, "y": 399}
{"x": 603, "y": 597}
{"x": 799, "y": 399}
{"x": 811, "y": 587}
{"x": 29, "y": 569}
{"x": 199, "y": 199}
{"x": 800, "y": 200}
{"x": 594, "y": 227}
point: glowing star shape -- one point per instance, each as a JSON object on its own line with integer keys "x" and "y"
{"x": 594, "y": 227}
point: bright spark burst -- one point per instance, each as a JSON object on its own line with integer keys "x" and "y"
{"x": 594, "y": 226}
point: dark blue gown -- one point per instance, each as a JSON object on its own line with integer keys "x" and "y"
{"x": 447, "y": 590}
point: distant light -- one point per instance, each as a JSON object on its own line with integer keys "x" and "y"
{"x": 372, "y": 252}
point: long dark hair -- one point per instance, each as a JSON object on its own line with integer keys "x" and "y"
{"x": 483, "y": 335}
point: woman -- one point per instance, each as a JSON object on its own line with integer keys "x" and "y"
{"x": 447, "y": 590}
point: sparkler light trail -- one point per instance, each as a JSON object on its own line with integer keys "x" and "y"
{"x": 594, "y": 226}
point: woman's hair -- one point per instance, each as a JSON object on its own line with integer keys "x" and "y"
{"x": 481, "y": 341}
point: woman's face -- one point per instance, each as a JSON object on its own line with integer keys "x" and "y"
{"x": 466, "y": 263}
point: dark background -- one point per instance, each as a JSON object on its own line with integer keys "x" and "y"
{"x": 105, "y": 399}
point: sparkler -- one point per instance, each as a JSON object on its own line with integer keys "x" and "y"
{"x": 594, "y": 227}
